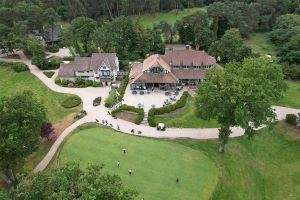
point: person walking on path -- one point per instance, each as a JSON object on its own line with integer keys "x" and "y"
{"x": 130, "y": 172}
{"x": 118, "y": 163}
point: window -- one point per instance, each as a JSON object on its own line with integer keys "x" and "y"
{"x": 197, "y": 67}
{"x": 176, "y": 67}
{"x": 186, "y": 67}
{"x": 105, "y": 73}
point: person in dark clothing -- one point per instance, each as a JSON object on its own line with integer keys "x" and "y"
{"x": 177, "y": 180}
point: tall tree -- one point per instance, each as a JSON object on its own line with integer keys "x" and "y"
{"x": 241, "y": 94}
{"x": 21, "y": 117}
{"x": 230, "y": 47}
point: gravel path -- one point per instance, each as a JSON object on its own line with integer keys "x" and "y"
{"x": 101, "y": 113}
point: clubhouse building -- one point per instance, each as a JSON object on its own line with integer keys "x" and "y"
{"x": 177, "y": 67}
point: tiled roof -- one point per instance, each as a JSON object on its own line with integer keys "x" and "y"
{"x": 89, "y": 63}
{"x": 66, "y": 70}
{"x": 189, "y": 58}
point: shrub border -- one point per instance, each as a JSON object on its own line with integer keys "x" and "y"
{"x": 125, "y": 107}
{"x": 167, "y": 109}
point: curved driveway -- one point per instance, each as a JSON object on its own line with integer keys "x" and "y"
{"x": 101, "y": 113}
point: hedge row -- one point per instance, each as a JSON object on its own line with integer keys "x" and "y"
{"x": 167, "y": 109}
{"x": 113, "y": 98}
{"x": 16, "y": 66}
{"x": 124, "y": 107}
{"x": 78, "y": 83}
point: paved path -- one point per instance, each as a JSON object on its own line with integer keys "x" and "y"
{"x": 101, "y": 113}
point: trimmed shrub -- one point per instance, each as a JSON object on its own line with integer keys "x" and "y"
{"x": 124, "y": 107}
{"x": 68, "y": 58}
{"x": 49, "y": 74}
{"x": 291, "y": 119}
{"x": 57, "y": 81}
{"x": 52, "y": 48}
{"x": 167, "y": 109}
{"x": 54, "y": 63}
{"x": 113, "y": 98}
{"x": 134, "y": 92}
{"x": 142, "y": 92}
{"x": 40, "y": 62}
{"x": 19, "y": 67}
{"x": 122, "y": 88}
{"x": 71, "y": 102}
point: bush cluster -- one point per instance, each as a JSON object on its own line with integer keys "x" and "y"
{"x": 291, "y": 119}
{"x": 19, "y": 67}
{"x": 16, "y": 66}
{"x": 68, "y": 58}
{"x": 167, "y": 109}
{"x": 124, "y": 107}
{"x": 292, "y": 72}
{"x": 49, "y": 74}
{"x": 79, "y": 83}
{"x": 113, "y": 98}
{"x": 71, "y": 102}
{"x": 52, "y": 48}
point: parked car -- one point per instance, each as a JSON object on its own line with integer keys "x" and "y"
{"x": 161, "y": 127}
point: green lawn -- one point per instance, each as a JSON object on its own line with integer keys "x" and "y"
{"x": 171, "y": 17}
{"x": 260, "y": 43}
{"x": 186, "y": 118}
{"x": 12, "y": 83}
{"x": 266, "y": 168}
{"x": 155, "y": 164}
{"x": 292, "y": 95}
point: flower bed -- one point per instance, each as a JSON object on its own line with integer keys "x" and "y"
{"x": 113, "y": 98}
{"x": 167, "y": 109}
{"x": 49, "y": 74}
{"x": 124, "y": 107}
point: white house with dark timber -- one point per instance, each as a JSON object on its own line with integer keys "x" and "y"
{"x": 100, "y": 67}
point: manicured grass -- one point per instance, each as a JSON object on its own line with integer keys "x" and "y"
{"x": 12, "y": 83}
{"x": 155, "y": 164}
{"x": 292, "y": 95}
{"x": 260, "y": 43}
{"x": 267, "y": 167}
{"x": 186, "y": 118}
{"x": 71, "y": 102}
{"x": 49, "y": 74}
{"x": 171, "y": 17}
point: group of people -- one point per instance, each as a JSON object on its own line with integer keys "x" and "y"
{"x": 118, "y": 163}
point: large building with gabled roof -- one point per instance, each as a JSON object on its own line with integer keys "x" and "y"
{"x": 174, "y": 68}
{"x": 100, "y": 67}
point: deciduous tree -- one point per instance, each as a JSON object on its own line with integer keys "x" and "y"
{"x": 241, "y": 94}
{"x": 21, "y": 117}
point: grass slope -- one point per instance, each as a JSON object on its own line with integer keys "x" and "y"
{"x": 260, "y": 43}
{"x": 171, "y": 17}
{"x": 12, "y": 83}
{"x": 155, "y": 164}
{"x": 266, "y": 168}
{"x": 186, "y": 118}
{"x": 292, "y": 95}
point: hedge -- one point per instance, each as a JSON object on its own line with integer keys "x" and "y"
{"x": 71, "y": 102}
{"x": 16, "y": 66}
{"x": 291, "y": 119}
{"x": 49, "y": 74}
{"x": 124, "y": 107}
{"x": 78, "y": 83}
{"x": 167, "y": 109}
{"x": 112, "y": 98}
